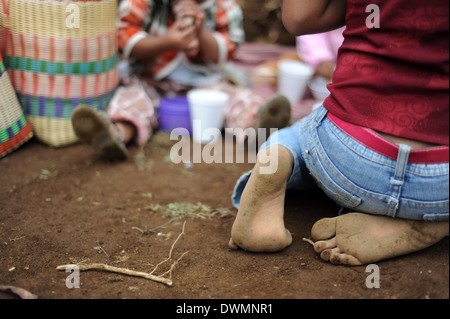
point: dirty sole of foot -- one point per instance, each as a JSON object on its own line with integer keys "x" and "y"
{"x": 92, "y": 129}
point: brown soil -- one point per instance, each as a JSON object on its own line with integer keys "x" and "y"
{"x": 60, "y": 206}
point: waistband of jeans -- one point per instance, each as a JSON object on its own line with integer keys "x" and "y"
{"x": 370, "y": 139}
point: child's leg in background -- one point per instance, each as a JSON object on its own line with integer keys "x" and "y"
{"x": 130, "y": 116}
{"x": 133, "y": 108}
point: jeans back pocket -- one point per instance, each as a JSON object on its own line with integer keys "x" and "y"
{"x": 319, "y": 168}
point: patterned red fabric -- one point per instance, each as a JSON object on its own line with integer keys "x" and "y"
{"x": 395, "y": 78}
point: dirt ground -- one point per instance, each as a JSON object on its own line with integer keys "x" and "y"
{"x": 62, "y": 206}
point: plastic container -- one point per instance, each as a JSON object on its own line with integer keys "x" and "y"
{"x": 293, "y": 79}
{"x": 207, "y": 114}
{"x": 318, "y": 87}
{"x": 174, "y": 114}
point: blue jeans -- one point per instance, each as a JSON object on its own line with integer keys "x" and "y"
{"x": 357, "y": 178}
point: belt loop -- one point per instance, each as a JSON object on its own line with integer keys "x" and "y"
{"x": 402, "y": 161}
{"x": 398, "y": 180}
{"x": 321, "y": 114}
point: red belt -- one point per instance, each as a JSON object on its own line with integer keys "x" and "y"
{"x": 377, "y": 143}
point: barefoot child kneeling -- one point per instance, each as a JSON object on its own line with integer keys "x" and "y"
{"x": 379, "y": 144}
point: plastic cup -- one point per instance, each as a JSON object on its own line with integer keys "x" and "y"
{"x": 207, "y": 108}
{"x": 174, "y": 115}
{"x": 293, "y": 79}
{"x": 318, "y": 87}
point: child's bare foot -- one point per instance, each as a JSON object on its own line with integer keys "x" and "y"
{"x": 259, "y": 225}
{"x": 360, "y": 239}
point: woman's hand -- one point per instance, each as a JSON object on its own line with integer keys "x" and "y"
{"x": 177, "y": 38}
{"x": 190, "y": 12}
{"x": 207, "y": 44}
{"x": 182, "y": 38}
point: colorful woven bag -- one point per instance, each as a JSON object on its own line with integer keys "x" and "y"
{"x": 14, "y": 128}
{"x": 60, "y": 53}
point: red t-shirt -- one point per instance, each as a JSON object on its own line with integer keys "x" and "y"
{"x": 395, "y": 78}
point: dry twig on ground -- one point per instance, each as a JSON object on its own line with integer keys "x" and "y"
{"x": 309, "y": 241}
{"x": 157, "y": 278}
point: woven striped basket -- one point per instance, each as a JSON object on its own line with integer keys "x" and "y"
{"x": 60, "y": 53}
{"x": 14, "y": 128}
